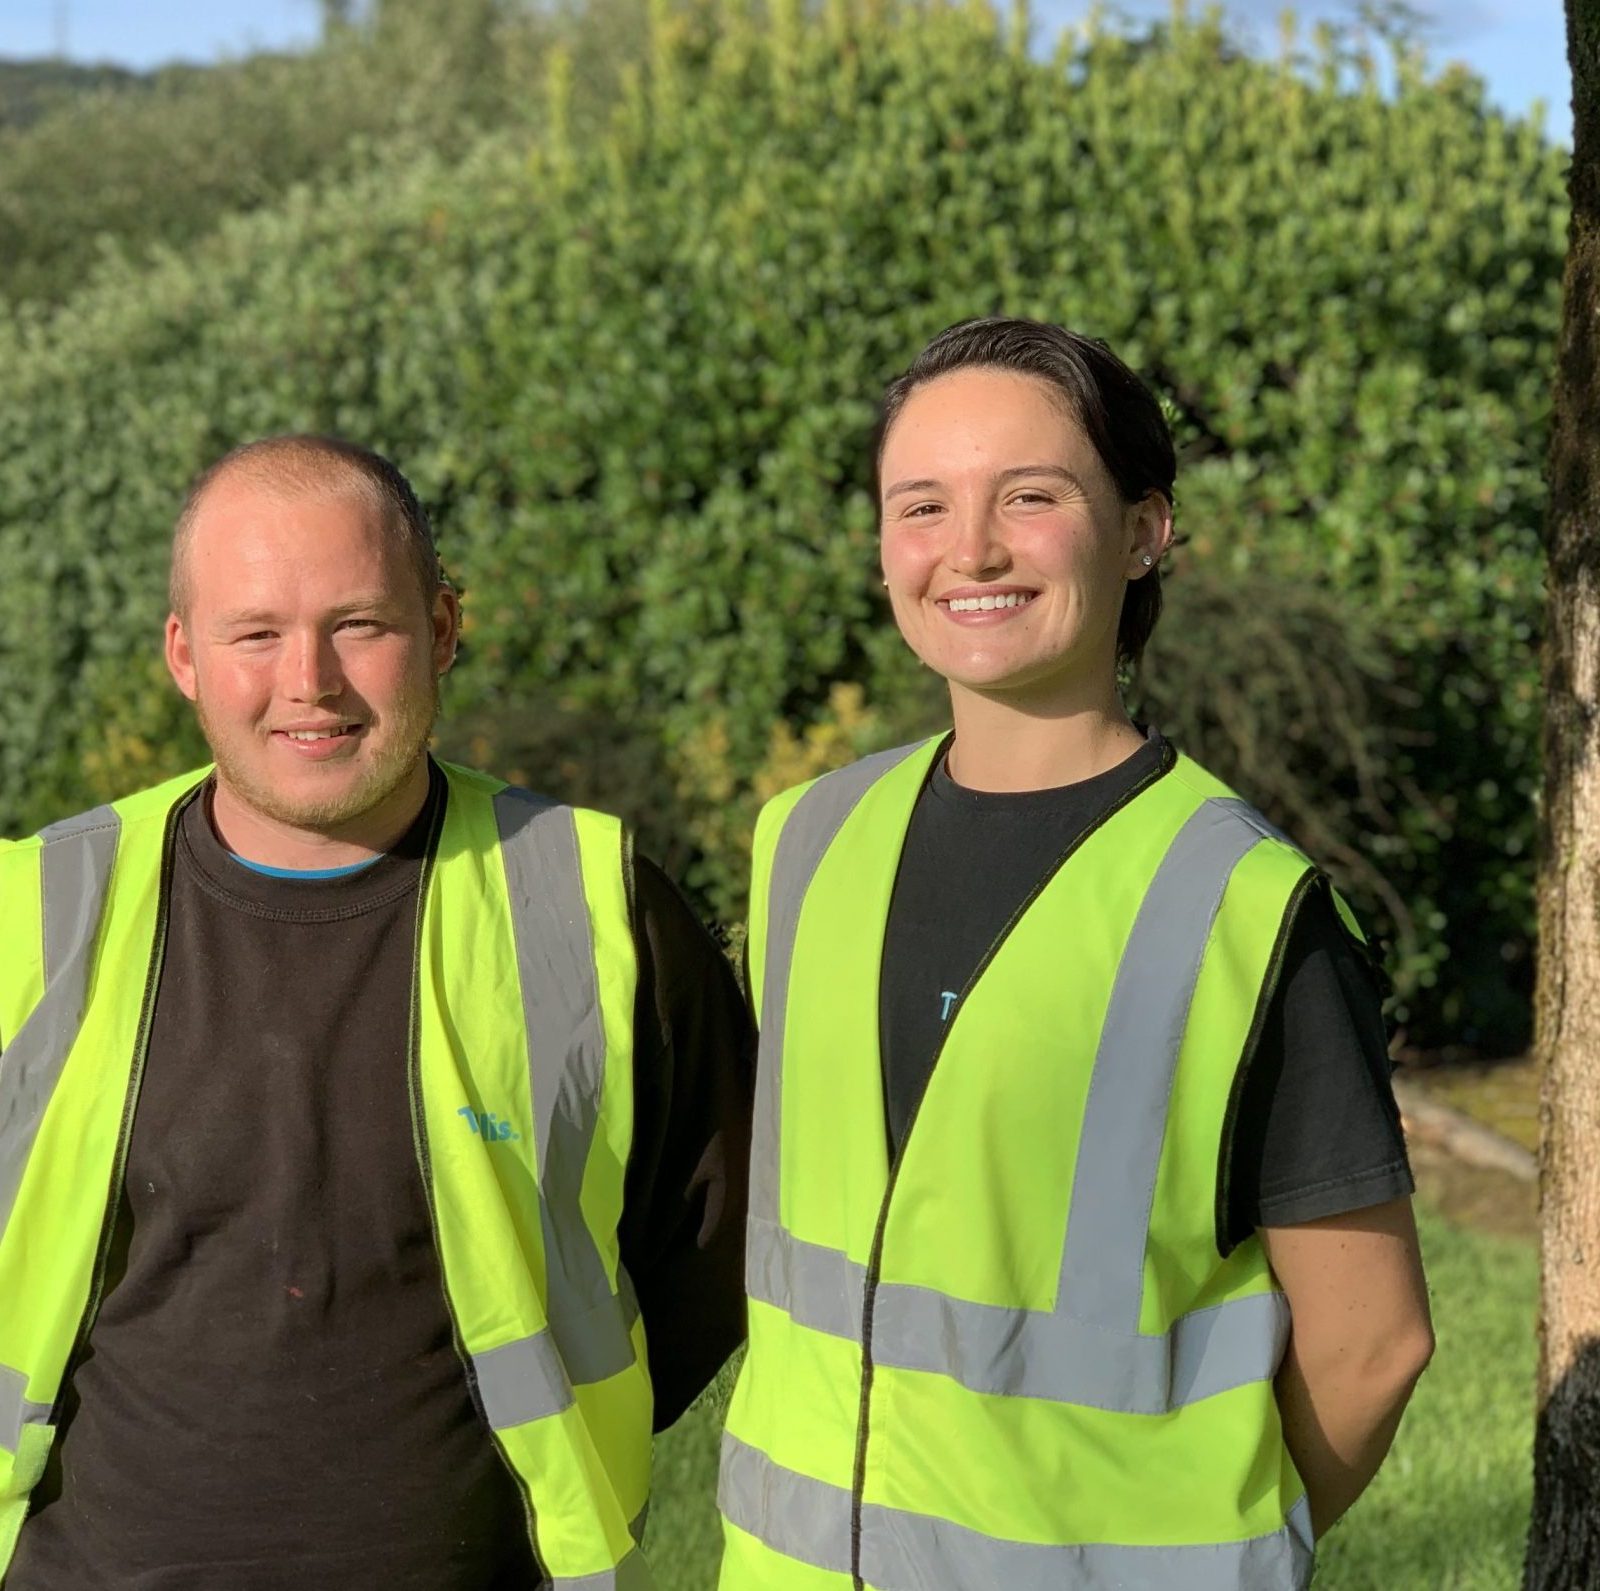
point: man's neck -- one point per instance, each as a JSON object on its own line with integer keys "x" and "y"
{"x": 271, "y": 841}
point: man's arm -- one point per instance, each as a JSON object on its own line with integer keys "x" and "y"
{"x": 1360, "y": 1339}
{"x": 682, "y": 1228}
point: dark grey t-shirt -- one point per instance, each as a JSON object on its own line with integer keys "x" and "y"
{"x": 1315, "y": 1131}
{"x": 271, "y": 1396}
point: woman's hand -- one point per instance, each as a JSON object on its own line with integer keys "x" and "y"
{"x": 1360, "y": 1339}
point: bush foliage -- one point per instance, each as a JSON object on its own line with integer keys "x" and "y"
{"x": 635, "y": 375}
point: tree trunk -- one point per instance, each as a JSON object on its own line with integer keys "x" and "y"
{"x": 1564, "y": 1537}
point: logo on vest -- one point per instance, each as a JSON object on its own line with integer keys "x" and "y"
{"x": 487, "y": 1126}
{"x": 947, "y": 998}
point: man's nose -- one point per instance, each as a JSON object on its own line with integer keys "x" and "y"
{"x": 313, "y": 671}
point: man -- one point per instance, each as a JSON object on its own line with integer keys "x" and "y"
{"x": 369, "y": 1130}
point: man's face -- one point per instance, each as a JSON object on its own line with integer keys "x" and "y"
{"x": 309, "y": 651}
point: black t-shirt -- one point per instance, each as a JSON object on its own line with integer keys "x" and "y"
{"x": 271, "y": 1395}
{"x": 1315, "y": 1129}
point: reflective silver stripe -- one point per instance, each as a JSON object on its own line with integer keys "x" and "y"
{"x": 595, "y": 1342}
{"x": 902, "y": 1552}
{"x": 792, "y": 1513}
{"x": 807, "y": 833}
{"x": 1020, "y": 1352}
{"x": 522, "y": 1380}
{"x": 1065, "y": 1360}
{"x": 1125, "y": 1119}
{"x": 809, "y": 1520}
{"x": 1264, "y": 826}
{"x": 15, "y": 1409}
{"x": 818, "y": 1287}
{"x": 75, "y": 869}
{"x": 632, "y": 1574}
{"x": 1300, "y": 1523}
{"x": 560, "y": 995}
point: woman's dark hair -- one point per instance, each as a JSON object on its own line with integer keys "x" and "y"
{"x": 1118, "y": 413}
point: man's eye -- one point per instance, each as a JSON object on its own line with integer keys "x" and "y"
{"x": 361, "y": 624}
{"x": 1031, "y": 497}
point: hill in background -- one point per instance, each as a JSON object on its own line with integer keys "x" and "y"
{"x": 33, "y": 89}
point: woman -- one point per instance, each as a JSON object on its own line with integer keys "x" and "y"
{"x": 1073, "y": 1087}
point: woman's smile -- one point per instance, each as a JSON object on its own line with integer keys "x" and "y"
{"x": 979, "y": 605}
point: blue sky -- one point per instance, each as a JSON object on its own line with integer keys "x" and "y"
{"x": 1519, "y": 46}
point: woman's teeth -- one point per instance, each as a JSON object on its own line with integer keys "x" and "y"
{"x": 1013, "y": 599}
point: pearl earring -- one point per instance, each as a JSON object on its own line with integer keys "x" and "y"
{"x": 1147, "y": 560}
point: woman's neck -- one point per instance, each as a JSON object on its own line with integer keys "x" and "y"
{"x": 1006, "y": 743}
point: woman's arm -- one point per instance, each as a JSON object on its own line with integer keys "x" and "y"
{"x": 1361, "y": 1337}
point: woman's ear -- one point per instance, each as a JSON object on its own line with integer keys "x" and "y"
{"x": 1149, "y": 534}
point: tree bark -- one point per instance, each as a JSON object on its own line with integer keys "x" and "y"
{"x": 1564, "y": 1536}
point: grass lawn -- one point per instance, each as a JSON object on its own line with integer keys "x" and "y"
{"x": 1448, "y": 1512}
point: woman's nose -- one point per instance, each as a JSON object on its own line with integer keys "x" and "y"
{"x": 976, "y": 548}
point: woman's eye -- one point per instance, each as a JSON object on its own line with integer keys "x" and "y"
{"x": 1031, "y": 497}
{"x": 922, "y": 510}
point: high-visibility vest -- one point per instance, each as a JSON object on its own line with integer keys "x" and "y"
{"x": 1014, "y": 1359}
{"x": 523, "y": 1010}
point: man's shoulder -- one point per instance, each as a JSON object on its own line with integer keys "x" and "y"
{"x": 459, "y": 778}
{"x": 462, "y": 780}
{"x": 152, "y": 804}
{"x": 485, "y": 812}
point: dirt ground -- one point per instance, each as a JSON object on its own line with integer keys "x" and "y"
{"x": 1504, "y": 1096}
{"x": 1485, "y": 1200}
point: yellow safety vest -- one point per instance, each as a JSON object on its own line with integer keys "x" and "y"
{"x": 523, "y": 1001}
{"x": 1015, "y": 1359}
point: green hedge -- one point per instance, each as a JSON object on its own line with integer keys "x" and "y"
{"x": 635, "y": 376}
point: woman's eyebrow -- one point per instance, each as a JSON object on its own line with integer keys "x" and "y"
{"x": 913, "y": 486}
{"x": 1058, "y": 471}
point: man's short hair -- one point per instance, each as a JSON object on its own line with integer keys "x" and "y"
{"x": 305, "y": 463}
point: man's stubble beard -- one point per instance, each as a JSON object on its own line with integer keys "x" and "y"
{"x": 407, "y": 742}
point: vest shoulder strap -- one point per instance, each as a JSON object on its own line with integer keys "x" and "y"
{"x": 462, "y": 779}
{"x": 53, "y": 890}
{"x": 152, "y": 805}
{"x": 793, "y": 832}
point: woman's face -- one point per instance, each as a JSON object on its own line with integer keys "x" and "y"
{"x": 1006, "y": 546}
